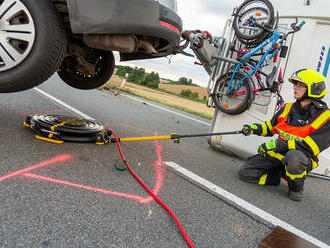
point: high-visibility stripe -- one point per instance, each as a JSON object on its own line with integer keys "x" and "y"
{"x": 293, "y": 177}
{"x": 264, "y": 129}
{"x": 269, "y": 125}
{"x": 321, "y": 119}
{"x": 263, "y": 179}
{"x": 49, "y": 140}
{"x": 291, "y": 144}
{"x": 275, "y": 155}
{"x": 315, "y": 148}
{"x": 286, "y": 110}
{"x": 314, "y": 164}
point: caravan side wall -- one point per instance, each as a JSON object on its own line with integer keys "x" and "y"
{"x": 310, "y": 48}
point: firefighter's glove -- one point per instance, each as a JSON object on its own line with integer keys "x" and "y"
{"x": 249, "y": 129}
{"x": 266, "y": 147}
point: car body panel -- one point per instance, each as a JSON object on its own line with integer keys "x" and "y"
{"x": 124, "y": 17}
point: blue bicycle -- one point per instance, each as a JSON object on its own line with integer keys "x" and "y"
{"x": 234, "y": 91}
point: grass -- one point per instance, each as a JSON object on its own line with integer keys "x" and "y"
{"x": 174, "y": 94}
{"x": 111, "y": 86}
{"x": 179, "y": 95}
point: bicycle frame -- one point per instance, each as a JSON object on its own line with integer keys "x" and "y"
{"x": 273, "y": 39}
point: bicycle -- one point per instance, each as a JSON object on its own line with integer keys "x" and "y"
{"x": 236, "y": 87}
{"x": 250, "y": 33}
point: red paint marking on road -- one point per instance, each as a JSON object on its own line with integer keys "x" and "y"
{"x": 158, "y": 165}
{"x": 160, "y": 169}
{"x": 106, "y": 124}
{"x": 136, "y": 128}
{"x": 60, "y": 158}
{"x": 109, "y": 192}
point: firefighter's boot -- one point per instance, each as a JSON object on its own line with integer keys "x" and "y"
{"x": 296, "y": 189}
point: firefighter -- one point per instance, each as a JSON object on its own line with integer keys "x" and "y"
{"x": 303, "y": 129}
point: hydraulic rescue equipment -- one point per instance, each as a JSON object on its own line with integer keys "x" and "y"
{"x": 59, "y": 128}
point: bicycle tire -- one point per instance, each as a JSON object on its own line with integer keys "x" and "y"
{"x": 266, "y": 35}
{"x": 241, "y": 12}
{"x": 220, "y": 87}
{"x": 256, "y": 42}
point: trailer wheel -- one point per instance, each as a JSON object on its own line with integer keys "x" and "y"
{"x": 32, "y": 43}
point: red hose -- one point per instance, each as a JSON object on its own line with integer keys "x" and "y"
{"x": 185, "y": 236}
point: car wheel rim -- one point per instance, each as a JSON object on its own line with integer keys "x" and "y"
{"x": 17, "y": 33}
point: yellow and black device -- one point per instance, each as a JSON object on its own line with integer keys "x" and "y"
{"x": 59, "y": 128}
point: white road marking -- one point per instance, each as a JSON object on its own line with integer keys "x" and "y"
{"x": 236, "y": 201}
{"x": 167, "y": 110}
{"x": 72, "y": 109}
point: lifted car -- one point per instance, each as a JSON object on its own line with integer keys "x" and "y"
{"x": 76, "y": 38}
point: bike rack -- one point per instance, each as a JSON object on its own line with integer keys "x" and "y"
{"x": 221, "y": 66}
{"x": 216, "y": 68}
{"x": 262, "y": 106}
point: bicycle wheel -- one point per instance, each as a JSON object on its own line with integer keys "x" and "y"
{"x": 238, "y": 100}
{"x": 263, "y": 13}
{"x": 255, "y": 42}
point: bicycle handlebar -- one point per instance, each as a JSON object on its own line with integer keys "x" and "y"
{"x": 293, "y": 26}
{"x": 301, "y": 25}
{"x": 294, "y": 29}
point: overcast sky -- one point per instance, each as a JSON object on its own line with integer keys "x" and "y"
{"x": 209, "y": 15}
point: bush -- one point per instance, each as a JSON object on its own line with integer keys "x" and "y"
{"x": 186, "y": 93}
{"x": 136, "y": 75}
{"x": 194, "y": 95}
{"x": 150, "y": 80}
{"x": 185, "y": 81}
{"x": 122, "y": 70}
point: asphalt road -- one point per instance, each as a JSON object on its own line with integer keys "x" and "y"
{"x": 71, "y": 195}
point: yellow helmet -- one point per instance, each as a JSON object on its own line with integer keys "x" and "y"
{"x": 315, "y": 82}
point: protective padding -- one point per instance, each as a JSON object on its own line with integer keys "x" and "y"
{"x": 296, "y": 162}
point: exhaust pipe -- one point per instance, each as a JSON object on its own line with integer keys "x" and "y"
{"x": 124, "y": 43}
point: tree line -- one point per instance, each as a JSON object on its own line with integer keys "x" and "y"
{"x": 139, "y": 76}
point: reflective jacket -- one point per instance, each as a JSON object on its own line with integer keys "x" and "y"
{"x": 306, "y": 129}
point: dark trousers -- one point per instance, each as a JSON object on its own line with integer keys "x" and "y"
{"x": 269, "y": 170}
{"x": 257, "y": 167}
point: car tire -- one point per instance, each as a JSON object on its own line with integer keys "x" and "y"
{"x": 81, "y": 81}
{"x": 46, "y": 50}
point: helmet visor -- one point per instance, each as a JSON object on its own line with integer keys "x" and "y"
{"x": 295, "y": 78}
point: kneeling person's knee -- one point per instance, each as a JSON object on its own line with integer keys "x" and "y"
{"x": 296, "y": 162}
